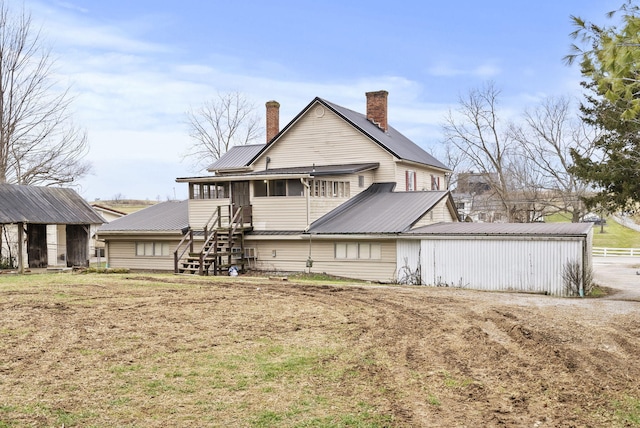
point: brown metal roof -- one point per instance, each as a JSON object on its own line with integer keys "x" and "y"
{"x": 378, "y": 210}
{"x": 504, "y": 229}
{"x": 44, "y": 205}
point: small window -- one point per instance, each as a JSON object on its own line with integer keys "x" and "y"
{"x": 152, "y": 249}
{"x": 352, "y": 250}
{"x": 295, "y": 188}
{"x": 260, "y": 188}
{"x": 361, "y": 181}
{"x": 277, "y": 188}
{"x": 435, "y": 183}
{"x": 411, "y": 180}
{"x": 357, "y": 251}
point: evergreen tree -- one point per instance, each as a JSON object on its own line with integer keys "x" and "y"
{"x": 610, "y": 67}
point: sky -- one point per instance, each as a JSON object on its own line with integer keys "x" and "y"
{"x": 135, "y": 67}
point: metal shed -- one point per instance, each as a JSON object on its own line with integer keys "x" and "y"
{"x": 520, "y": 257}
{"x": 33, "y": 208}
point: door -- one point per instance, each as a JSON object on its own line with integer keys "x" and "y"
{"x": 37, "y": 245}
{"x": 240, "y": 198}
{"x": 77, "y": 245}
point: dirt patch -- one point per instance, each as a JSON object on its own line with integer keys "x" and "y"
{"x": 172, "y": 351}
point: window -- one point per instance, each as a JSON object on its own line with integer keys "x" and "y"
{"x": 435, "y": 183}
{"x": 411, "y": 180}
{"x": 295, "y": 188}
{"x": 278, "y": 187}
{"x": 260, "y": 188}
{"x": 357, "y": 251}
{"x": 209, "y": 191}
{"x": 152, "y": 249}
{"x": 99, "y": 252}
{"x": 361, "y": 181}
{"x": 329, "y": 188}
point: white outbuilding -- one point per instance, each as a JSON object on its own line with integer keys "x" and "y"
{"x": 522, "y": 257}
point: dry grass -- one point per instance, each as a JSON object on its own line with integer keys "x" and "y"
{"x": 161, "y": 350}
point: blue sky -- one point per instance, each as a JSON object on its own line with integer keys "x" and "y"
{"x": 136, "y": 67}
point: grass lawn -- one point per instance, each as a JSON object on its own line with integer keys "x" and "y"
{"x": 611, "y": 235}
{"x": 143, "y": 350}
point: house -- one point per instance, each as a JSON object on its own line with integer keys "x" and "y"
{"x": 334, "y": 191}
{"x": 146, "y": 239}
{"x": 312, "y": 170}
{"x": 56, "y": 221}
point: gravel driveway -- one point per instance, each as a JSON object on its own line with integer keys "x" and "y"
{"x": 621, "y": 274}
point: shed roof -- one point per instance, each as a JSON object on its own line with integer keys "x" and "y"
{"x": 378, "y": 210}
{"x": 44, "y": 205}
{"x": 170, "y": 216}
{"x": 504, "y": 229}
{"x": 319, "y": 170}
{"x": 236, "y": 157}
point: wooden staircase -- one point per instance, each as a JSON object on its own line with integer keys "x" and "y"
{"x": 223, "y": 245}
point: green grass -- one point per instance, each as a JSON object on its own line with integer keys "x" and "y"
{"x": 611, "y": 235}
{"x": 628, "y": 411}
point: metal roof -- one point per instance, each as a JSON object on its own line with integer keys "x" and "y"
{"x": 392, "y": 140}
{"x": 44, "y": 205}
{"x": 504, "y": 229}
{"x": 236, "y": 157}
{"x": 319, "y": 170}
{"x": 378, "y": 210}
{"x": 170, "y": 216}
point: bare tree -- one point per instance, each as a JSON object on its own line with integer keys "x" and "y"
{"x": 486, "y": 143}
{"x": 39, "y": 144}
{"x": 228, "y": 120}
{"x": 549, "y": 133}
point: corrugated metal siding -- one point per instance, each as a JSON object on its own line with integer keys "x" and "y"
{"x": 499, "y": 265}
{"x": 407, "y": 260}
{"x": 326, "y": 140}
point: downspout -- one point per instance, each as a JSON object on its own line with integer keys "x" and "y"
{"x": 304, "y": 182}
{"x": 308, "y": 194}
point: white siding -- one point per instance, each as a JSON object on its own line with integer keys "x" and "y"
{"x": 526, "y": 265}
{"x": 438, "y": 214}
{"x": 122, "y": 254}
{"x": 326, "y": 140}
{"x": 423, "y": 177}
{"x": 408, "y": 261}
{"x": 292, "y": 255}
{"x": 279, "y": 213}
{"x": 200, "y": 210}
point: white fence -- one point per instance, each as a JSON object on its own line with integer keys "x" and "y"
{"x": 616, "y": 252}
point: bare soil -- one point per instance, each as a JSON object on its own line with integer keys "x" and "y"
{"x": 102, "y": 350}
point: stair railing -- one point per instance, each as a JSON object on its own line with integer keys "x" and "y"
{"x": 214, "y": 222}
{"x": 187, "y": 241}
{"x": 205, "y": 251}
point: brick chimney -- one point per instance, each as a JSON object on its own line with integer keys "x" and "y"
{"x": 273, "y": 119}
{"x": 377, "y": 108}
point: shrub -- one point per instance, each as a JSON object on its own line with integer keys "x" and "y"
{"x": 578, "y": 281}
